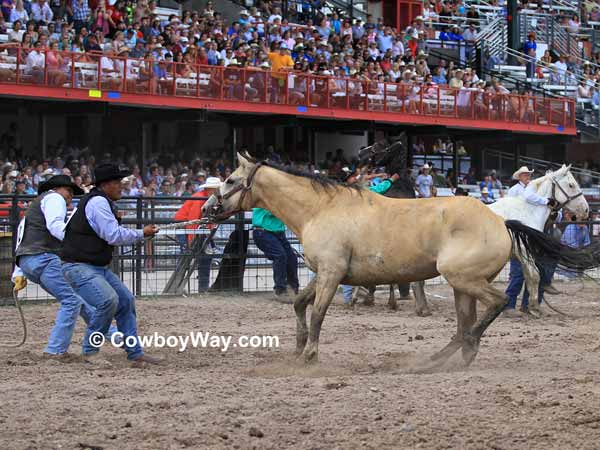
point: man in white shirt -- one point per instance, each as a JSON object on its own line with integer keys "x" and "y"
{"x": 35, "y": 63}
{"x": 41, "y": 12}
{"x": 516, "y": 279}
{"x": 38, "y": 245}
{"x": 424, "y": 182}
{"x": 275, "y": 16}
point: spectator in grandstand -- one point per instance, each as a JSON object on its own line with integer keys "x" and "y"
{"x": 485, "y": 196}
{"x": 18, "y": 13}
{"x": 35, "y": 63}
{"x": 41, "y": 12}
{"x": 424, "y": 182}
{"x": 530, "y": 44}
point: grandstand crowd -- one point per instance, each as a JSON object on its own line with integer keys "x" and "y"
{"x": 107, "y": 31}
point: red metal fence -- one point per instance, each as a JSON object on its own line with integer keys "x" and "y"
{"x": 96, "y": 72}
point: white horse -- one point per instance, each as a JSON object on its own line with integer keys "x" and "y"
{"x": 559, "y": 185}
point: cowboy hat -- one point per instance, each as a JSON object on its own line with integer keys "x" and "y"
{"x": 109, "y": 172}
{"x": 211, "y": 183}
{"x": 522, "y": 170}
{"x": 484, "y": 190}
{"x": 59, "y": 181}
{"x": 426, "y": 166}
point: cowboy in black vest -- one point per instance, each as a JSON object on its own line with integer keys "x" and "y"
{"x": 38, "y": 247}
{"x": 90, "y": 238}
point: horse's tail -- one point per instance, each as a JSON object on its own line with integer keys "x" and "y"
{"x": 544, "y": 250}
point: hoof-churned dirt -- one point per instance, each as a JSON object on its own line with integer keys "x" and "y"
{"x": 534, "y": 384}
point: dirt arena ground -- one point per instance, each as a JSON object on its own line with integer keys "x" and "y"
{"x": 534, "y": 385}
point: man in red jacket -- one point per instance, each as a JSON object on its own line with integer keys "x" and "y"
{"x": 192, "y": 210}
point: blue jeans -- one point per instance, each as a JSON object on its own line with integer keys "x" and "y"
{"x": 347, "y": 293}
{"x": 45, "y": 270}
{"x": 515, "y": 284}
{"x": 276, "y": 247}
{"x": 204, "y": 263}
{"x": 103, "y": 290}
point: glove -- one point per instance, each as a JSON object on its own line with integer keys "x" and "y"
{"x": 552, "y": 203}
{"x": 20, "y": 283}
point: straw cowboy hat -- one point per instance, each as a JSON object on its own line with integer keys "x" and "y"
{"x": 426, "y": 166}
{"x": 522, "y": 170}
{"x": 211, "y": 183}
{"x": 485, "y": 191}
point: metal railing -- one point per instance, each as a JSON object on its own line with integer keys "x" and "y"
{"x": 94, "y": 73}
{"x": 151, "y": 268}
{"x": 147, "y": 268}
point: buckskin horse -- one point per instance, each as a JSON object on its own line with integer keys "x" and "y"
{"x": 356, "y": 237}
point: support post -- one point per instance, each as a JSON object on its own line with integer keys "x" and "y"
{"x": 455, "y": 161}
{"x": 512, "y": 19}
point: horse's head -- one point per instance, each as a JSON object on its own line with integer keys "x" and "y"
{"x": 568, "y": 194}
{"x": 380, "y": 154}
{"x": 234, "y": 194}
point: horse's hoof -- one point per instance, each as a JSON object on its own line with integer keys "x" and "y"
{"x": 368, "y": 302}
{"x": 393, "y": 306}
{"x": 470, "y": 349}
{"x": 423, "y": 312}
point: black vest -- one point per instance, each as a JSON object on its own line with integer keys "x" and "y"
{"x": 81, "y": 243}
{"x": 36, "y": 237}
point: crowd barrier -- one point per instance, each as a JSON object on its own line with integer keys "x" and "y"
{"x": 148, "y": 269}
{"x": 97, "y": 73}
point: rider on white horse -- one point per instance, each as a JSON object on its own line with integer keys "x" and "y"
{"x": 516, "y": 278}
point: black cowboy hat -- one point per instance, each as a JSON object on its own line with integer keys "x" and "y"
{"x": 59, "y": 181}
{"x": 109, "y": 171}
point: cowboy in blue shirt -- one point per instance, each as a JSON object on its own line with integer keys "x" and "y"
{"x": 90, "y": 237}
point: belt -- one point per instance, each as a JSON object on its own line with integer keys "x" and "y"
{"x": 268, "y": 231}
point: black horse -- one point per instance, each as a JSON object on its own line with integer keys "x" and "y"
{"x": 393, "y": 157}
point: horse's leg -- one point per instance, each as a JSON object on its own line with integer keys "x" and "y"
{"x": 392, "y": 304}
{"x": 327, "y": 283}
{"x": 404, "y": 290}
{"x": 495, "y": 302}
{"x": 466, "y": 314}
{"x": 304, "y": 297}
{"x": 421, "y": 306}
{"x": 370, "y": 300}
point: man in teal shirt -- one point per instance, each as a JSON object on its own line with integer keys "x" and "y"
{"x": 269, "y": 236}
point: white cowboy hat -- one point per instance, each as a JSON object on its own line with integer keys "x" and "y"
{"x": 211, "y": 183}
{"x": 522, "y": 170}
{"x": 426, "y": 166}
{"x": 485, "y": 191}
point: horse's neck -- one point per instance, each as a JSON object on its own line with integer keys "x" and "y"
{"x": 290, "y": 198}
{"x": 543, "y": 188}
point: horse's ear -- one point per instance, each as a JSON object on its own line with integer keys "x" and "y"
{"x": 568, "y": 167}
{"x": 250, "y": 157}
{"x": 243, "y": 160}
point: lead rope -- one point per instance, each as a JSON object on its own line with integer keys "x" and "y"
{"x": 15, "y": 295}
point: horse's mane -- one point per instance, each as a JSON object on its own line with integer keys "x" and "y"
{"x": 317, "y": 181}
{"x": 539, "y": 181}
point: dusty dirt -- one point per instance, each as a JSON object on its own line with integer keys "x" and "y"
{"x": 534, "y": 384}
